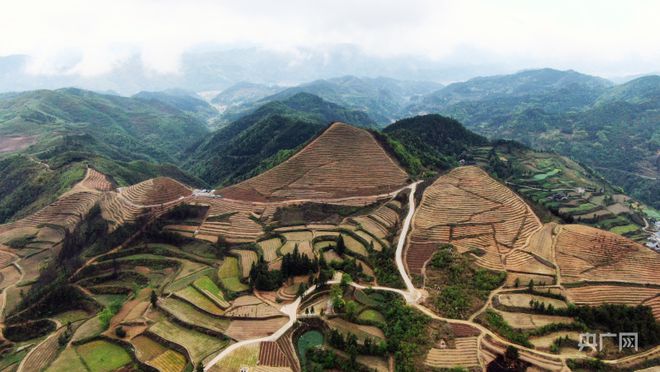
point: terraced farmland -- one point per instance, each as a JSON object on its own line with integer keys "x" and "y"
{"x": 198, "y": 344}
{"x": 155, "y": 191}
{"x": 469, "y": 209}
{"x": 328, "y": 167}
{"x": 464, "y": 354}
{"x": 586, "y": 253}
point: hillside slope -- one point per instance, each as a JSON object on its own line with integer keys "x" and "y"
{"x": 610, "y": 128}
{"x": 265, "y": 138}
{"x": 343, "y": 161}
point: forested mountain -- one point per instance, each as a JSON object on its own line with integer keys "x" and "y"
{"x": 244, "y": 92}
{"x": 185, "y": 101}
{"x": 611, "y": 128}
{"x": 148, "y": 129}
{"x": 430, "y": 142}
{"x": 265, "y": 137}
{"x": 382, "y": 98}
{"x": 56, "y": 134}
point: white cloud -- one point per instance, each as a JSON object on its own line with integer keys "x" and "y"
{"x": 609, "y": 37}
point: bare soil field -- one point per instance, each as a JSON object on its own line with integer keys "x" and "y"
{"x": 9, "y": 144}
{"x": 523, "y": 300}
{"x": 247, "y": 329}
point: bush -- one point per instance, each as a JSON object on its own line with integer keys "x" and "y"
{"x": 120, "y": 332}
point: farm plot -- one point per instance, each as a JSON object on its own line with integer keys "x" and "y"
{"x": 230, "y": 219}
{"x": 155, "y": 191}
{"x": 464, "y": 355}
{"x": 44, "y": 353}
{"x": 546, "y": 341}
{"x": 531, "y": 321}
{"x": 304, "y": 247}
{"x": 198, "y": 344}
{"x": 205, "y": 285}
{"x": 229, "y": 275}
{"x": 194, "y": 297}
{"x": 361, "y": 331}
{"x": 331, "y": 166}
{"x": 521, "y": 261}
{"x": 244, "y": 357}
{"x": 354, "y": 245}
{"x": 260, "y": 310}
{"x": 169, "y": 361}
{"x": 247, "y": 329}
{"x": 523, "y": 300}
{"x": 68, "y": 360}
{"x": 614, "y": 294}
{"x": 588, "y": 254}
{"x": 270, "y": 354}
{"x": 269, "y": 247}
{"x": 246, "y": 259}
{"x": 102, "y": 356}
{"x": 189, "y": 315}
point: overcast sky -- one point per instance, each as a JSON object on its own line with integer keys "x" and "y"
{"x": 608, "y": 38}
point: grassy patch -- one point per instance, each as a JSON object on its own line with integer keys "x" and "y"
{"x": 456, "y": 287}
{"x": 229, "y": 275}
{"x": 101, "y": 356}
{"x": 625, "y": 229}
{"x": 208, "y": 287}
{"x": 371, "y": 316}
{"x": 68, "y": 360}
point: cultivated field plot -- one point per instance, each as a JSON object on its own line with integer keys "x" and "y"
{"x": 244, "y": 357}
{"x": 196, "y": 298}
{"x": 361, "y": 331}
{"x": 65, "y": 212}
{"x": 230, "y": 219}
{"x": 531, "y": 321}
{"x": 523, "y": 300}
{"x": 247, "y": 329}
{"x": 229, "y": 275}
{"x": 188, "y": 314}
{"x": 246, "y": 259}
{"x": 118, "y": 211}
{"x": 103, "y": 356}
{"x": 490, "y": 348}
{"x": 68, "y": 360}
{"x": 43, "y": 354}
{"x": 155, "y": 191}
{"x": 328, "y": 167}
{"x": 198, "y": 344}
{"x": 469, "y": 209}
{"x": 465, "y": 355}
{"x": 588, "y": 254}
{"x": 205, "y": 285}
{"x": 613, "y": 294}
{"x": 269, "y": 248}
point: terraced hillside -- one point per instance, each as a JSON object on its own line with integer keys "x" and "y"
{"x": 342, "y": 162}
{"x": 469, "y": 209}
{"x": 155, "y": 191}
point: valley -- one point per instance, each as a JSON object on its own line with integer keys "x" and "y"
{"x": 388, "y": 259}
